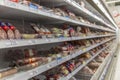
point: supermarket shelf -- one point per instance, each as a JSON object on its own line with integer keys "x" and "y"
{"x": 104, "y": 75}
{"x": 76, "y": 5}
{"x": 76, "y": 8}
{"x": 80, "y": 67}
{"x": 102, "y": 66}
{"x": 18, "y": 11}
{"x": 43, "y": 68}
{"x": 28, "y": 42}
{"x": 104, "y": 10}
{"x": 105, "y": 69}
{"x": 101, "y": 71}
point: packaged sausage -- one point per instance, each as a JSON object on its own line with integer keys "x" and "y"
{"x": 8, "y": 72}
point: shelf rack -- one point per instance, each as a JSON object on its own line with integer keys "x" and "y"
{"x": 103, "y": 9}
{"x": 101, "y": 71}
{"x": 20, "y": 43}
{"x": 80, "y": 67}
{"x": 102, "y": 66}
{"x": 31, "y": 73}
{"x": 105, "y": 69}
{"x": 76, "y": 8}
{"x": 76, "y": 5}
{"x": 20, "y": 12}
{"x": 27, "y": 13}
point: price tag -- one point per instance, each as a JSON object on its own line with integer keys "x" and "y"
{"x": 50, "y": 40}
{"x": 68, "y": 77}
{"x": 11, "y": 4}
{"x": 61, "y": 39}
{"x": 73, "y": 55}
{"x": 75, "y": 38}
{"x": 84, "y": 49}
{"x": 48, "y": 66}
{"x": 33, "y": 41}
{"x": 46, "y": 40}
{"x": 78, "y": 53}
{"x": 13, "y": 42}
{"x": 34, "y": 72}
{"x": 68, "y": 38}
{"x": 23, "y": 7}
{"x": 8, "y": 44}
{"x": 59, "y": 60}
{"x": 31, "y": 73}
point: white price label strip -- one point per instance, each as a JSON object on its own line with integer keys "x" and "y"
{"x": 8, "y": 44}
{"x": 59, "y": 60}
{"x": 11, "y": 4}
{"x": 33, "y": 41}
{"x": 13, "y": 42}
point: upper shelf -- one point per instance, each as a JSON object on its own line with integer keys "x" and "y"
{"x": 76, "y": 8}
{"x": 18, "y": 11}
{"x": 103, "y": 9}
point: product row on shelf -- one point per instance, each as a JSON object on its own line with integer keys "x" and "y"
{"x": 9, "y": 31}
{"x": 68, "y": 69}
{"x": 31, "y": 60}
{"x": 56, "y": 13}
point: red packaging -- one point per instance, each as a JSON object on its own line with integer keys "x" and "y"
{"x": 15, "y": 1}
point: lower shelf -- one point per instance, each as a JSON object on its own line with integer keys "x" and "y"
{"x": 100, "y": 69}
{"x": 80, "y": 67}
{"x": 31, "y": 73}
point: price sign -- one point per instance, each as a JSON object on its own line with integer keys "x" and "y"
{"x": 8, "y": 43}
{"x": 46, "y": 40}
{"x": 59, "y": 60}
{"x": 48, "y": 66}
{"x": 73, "y": 55}
{"x": 34, "y": 72}
{"x": 23, "y": 7}
{"x": 68, "y": 77}
{"x": 13, "y": 42}
{"x": 11, "y": 4}
{"x": 33, "y": 41}
{"x": 84, "y": 49}
{"x": 32, "y": 10}
{"x": 50, "y": 40}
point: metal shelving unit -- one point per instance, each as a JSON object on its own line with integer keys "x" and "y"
{"x": 30, "y": 14}
{"x": 76, "y": 8}
{"x": 103, "y": 65}
{"x": 105, "y": 70}
{"x": 18, "y": 11}
{"x": 74, "y": 4}
{"x": 31, "y": 73}
{"x": 103, "y": 9}
{"x": 101, "y": 71}
{"x": 80, "y": 67}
